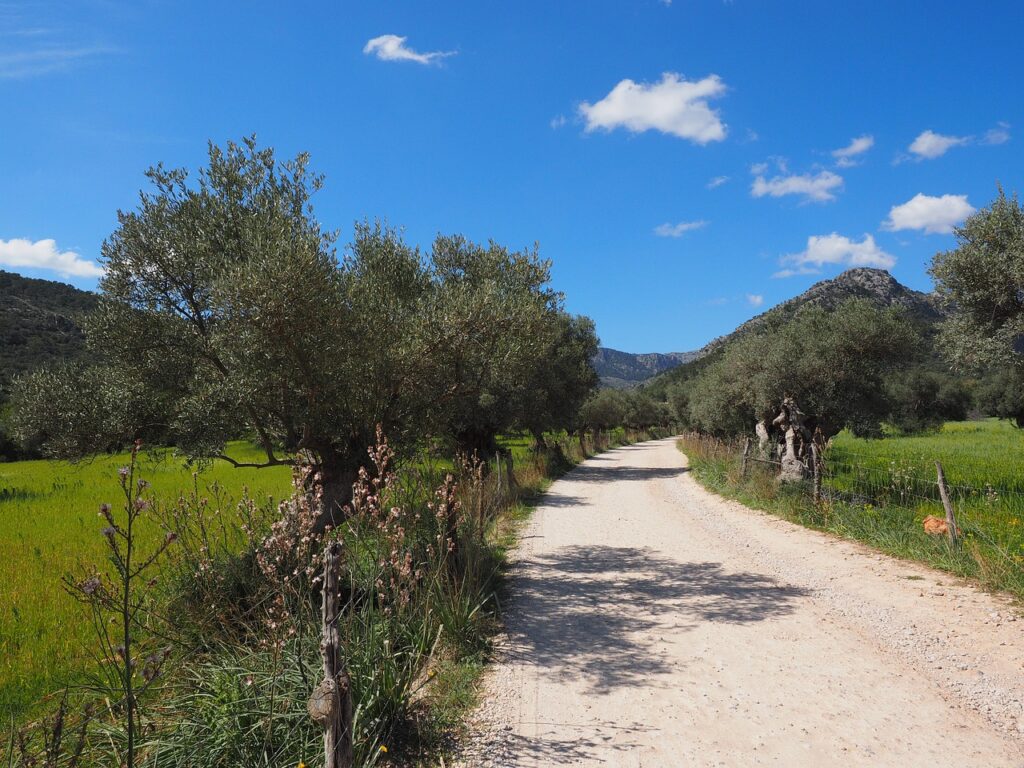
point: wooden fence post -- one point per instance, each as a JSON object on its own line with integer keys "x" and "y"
{"x": 331, "y": 702}
{"x": 816, "y": 471}
{"x": 746, "y": 455}
{"x": 497, "y": 462}
{"x": 954, "y": 533}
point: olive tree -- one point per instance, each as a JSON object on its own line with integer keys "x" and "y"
{"x": 503, "y": 318}
{"x": 564, "y": 379}
{"x": 225, "y": 310}
{"x": 982, "y": 281}
{"x": 606, "y": 409}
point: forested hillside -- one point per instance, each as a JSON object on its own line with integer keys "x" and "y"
{"x": 39, "y": 323}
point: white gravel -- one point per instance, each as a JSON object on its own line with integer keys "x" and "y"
{"x": 655, "y": 624}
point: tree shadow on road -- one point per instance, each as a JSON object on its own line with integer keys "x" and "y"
{"x": 506, "y": 748}
{"x": 599, "y": 474}
{"x": 599, "y": 613}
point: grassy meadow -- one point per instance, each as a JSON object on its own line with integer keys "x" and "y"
{"x": 49, "y": 527}
{"x": 879, "y": 491}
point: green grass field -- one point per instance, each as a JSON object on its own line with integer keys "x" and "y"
{"x": 49, "y": 526}
{"x": 973, "y": 453}
{"x": 982, "y": 463}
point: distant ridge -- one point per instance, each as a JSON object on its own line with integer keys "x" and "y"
{"x": 623, "y": 370}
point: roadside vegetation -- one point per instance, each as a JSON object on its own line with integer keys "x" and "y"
{"x": 245, "y": 636}
{"x": 879, "y": 492}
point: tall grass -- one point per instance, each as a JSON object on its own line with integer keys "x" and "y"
{"x": 879, "y": 491}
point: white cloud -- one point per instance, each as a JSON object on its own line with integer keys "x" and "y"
{"x": 678, "y": 230}
{"x": 755, "y": 299}
{"x": 845, "y": 156}
{"x": 717, "y": 182}
{"x": 674, "y": 106}
{"x": 817, "y": 188}
{"x": 393, "y": 48}
{"x": 558, "y": 121}
{"x": 930, "y": 145}
{"x": 998, "y": 135}
{"x": 933, "y": 215}
{"x": 835, "y": 249}
{"x": 43, "y": 254}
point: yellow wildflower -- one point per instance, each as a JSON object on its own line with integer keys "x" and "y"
{"x": 383, "y": 748}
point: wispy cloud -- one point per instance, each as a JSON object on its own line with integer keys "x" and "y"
{"x": 716, "y": 182}
{"x": 44, "y": 60}
{"x": 755, "y": 299}
{"x": 846, "y": 157}
{"x": 835, "y": 249}
{"x": 393, "y": 48}
{"x": 678, "y": 230}
{"x": 44, "y": 254}
{"x": 558, "y": 121}
{"x": 673, "y": 105}
{"x": 998, "y": 135}
{"x": 932, "y": 215}
{"x": 816, "y": 188}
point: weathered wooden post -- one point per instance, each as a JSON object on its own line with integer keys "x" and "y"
{"x": 331, "y": 702}
{"x": 497, "y": 463}
{"x": 954, "y": 533}
{"x": 816, "y": 470}
{"x": 746, "y": 457}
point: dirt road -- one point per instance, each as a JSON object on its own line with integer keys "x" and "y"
{"x": 654, "y": 624}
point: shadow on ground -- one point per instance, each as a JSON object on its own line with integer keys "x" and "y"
{"x": 508, "y": 749}
{"x": 614, "y": 474}
{"x": 598, "y": 613}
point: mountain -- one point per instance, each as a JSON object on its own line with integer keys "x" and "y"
{"x": 875, "y": 285}
{"x": 39, "y": 324}
{"x": 622, "y": 370}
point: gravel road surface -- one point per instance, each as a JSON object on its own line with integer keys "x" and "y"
{"x": 652, "y": 623}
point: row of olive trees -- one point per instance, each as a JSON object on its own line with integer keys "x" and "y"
{"x": 226, "y": 310}
{"x": 859, "y": 366}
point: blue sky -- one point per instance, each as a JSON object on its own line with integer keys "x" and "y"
{"x": 677, "y": 161}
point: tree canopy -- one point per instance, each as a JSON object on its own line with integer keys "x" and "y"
{"x": 225, "y": 310}
{"x": 833, "y": 363}
{"x": 982, "y": 281}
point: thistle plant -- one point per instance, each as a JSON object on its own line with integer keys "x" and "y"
{"x": 119, "y": 599}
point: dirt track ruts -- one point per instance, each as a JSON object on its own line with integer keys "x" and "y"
{"x": 652, "y": 623}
